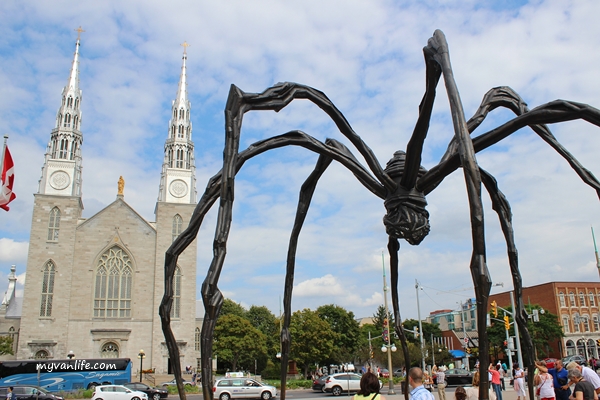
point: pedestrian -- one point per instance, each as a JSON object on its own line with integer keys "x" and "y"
{"x": 588, "y": 374}
{"x": 495, "y": 381}
{"x": 9, "y": 394}
{"x": 583, "y": 390}
{"x": 544, "y": 383}
{"x": 473, "y": 391}
{"x": 440, "y": 379}
{"x": 415, "y": 380}
{"x": 369, "y": 388}
{"x": 502, "y": 373}
{"x": 427, "y": 381}
{"x": 562, "y": 391}
{"x": 519, "y": 382}
{"x": 460, "y": 393}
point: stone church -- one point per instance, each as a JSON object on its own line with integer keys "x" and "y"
{"x": 94, "y": 285}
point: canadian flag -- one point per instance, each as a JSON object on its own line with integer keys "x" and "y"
{"x": 7, "y": 179}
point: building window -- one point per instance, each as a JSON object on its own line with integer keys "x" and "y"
{"x": 592, "y": 299}
{"x": 572, "y": 299}
{"x": 565, "y": 321}
{"x": 179, "y": 160}
{"x": 581, "y": 299}
{"x": 112, "y": 297}
{"x": 53, "y": 224}
{"x": 596, "y": 323}
{"x": 576, "y": 322}
{"x": 176, "y": 306}
{"x": 109, "y": 350}
{"x": 177, "y": 226}
{"x": 197, "y": 340}
{"x": 586, "y": 323}
{"x": 561, "y": 298}
{"x": 62, "y": 153}
{"x": 451, "y": 326}
{"x": 47, "y": 290}
{"x": 41, "y": 355}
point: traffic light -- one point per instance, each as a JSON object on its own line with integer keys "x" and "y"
{"x": 416, "y": 332}
{"x": 495, "y": 308}
{"x": 371, "y": 355}
{"x": 598, "y": 342}
{"x": 385, "y": 331}
{"x": 468, "y": 350}
{"x": 506, "y": 322}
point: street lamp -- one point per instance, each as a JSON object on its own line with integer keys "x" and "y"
{"x": 389, "y": 336}
{"x": 71, "y": 355}
{"x": 141, "y": 356}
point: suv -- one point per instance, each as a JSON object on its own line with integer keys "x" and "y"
{"x": 234, "y": 388}
{"x": 579, "y": 359}
{"x": 337, "y": 384}
{"x": 28, "y": 392}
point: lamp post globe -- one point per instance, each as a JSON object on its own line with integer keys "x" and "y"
{"x": 141, "y": 356}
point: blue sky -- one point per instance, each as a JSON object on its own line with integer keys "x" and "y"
{"x": 367, "y": 57}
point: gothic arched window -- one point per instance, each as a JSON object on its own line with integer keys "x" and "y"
{"x": 47, "y": 290}
{"x": 114, "y": 278}
{"x": 180, "y": 133}
{"x": 176, "y": 306}
{"x": 53, "y": 224}
{"x": 41, "y": 355}
{"x": 76, "y": 103}
{"x": 197, "y": 340}
{"x": 74, "y": 151}
{"x": 64, "y": 145}
{"x": 173, "y": 131}
{"x": 70, "y": 102}
{"x": 181, "y": 113}
{"x": 179, "y": 159}
{"x": 177, "y": 226}
{"x": 109, "y": 350}
{"x": 75, "y": 121}
{"x": 59, "y": 124}
{"x": 188, "y": 115}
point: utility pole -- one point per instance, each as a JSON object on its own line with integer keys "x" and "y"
{"x": 420, "y": 325}
{"x": 514, "y": 313}
{"x": 388, "y": 346}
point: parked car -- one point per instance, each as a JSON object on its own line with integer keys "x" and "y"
{"x": 319, "y": 384}
{"x": 28, "y": 392}
{"x": 236, "y": 388}
{"x": 458, "y": 376}
{"x": 117, "y": 392}
{"x": 173, "y": 383}
{"x": 384, "y": 373}
{"x": 399, "y": 372}
{"x": 343, "y": 383}
{"x": 550, "y": 362}
{"x": 153, "y": 393}
{"x": 579, "y": 359}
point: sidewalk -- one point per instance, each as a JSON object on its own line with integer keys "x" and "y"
{"x": 508, "y": 394}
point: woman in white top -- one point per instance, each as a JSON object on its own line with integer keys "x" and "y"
{"x": 519, "y": 382}
{"x": 473, "y": 391}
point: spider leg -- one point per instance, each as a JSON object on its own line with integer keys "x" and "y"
{"x": 335, "y": 151}
{"x": 502, "y": 207}
{"x": 393, "y": 248}
{"x": 438, "y": 46}
{"x": 556, "y": 111}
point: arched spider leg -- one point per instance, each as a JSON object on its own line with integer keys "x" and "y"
{"x": 438, "y": 46}
{"x": 502, "y": 207}
{"x": 210, "y": 195}
{"x": 556, "y": 111}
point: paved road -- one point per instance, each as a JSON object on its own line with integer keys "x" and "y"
{"x": 301, "y": 394}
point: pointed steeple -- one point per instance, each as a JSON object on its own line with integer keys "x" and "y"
{"x": 178, "y": 177}
{"x": 61, "y": 173}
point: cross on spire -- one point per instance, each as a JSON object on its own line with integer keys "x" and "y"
{"x": 79, "y": 30}
{"x": 185, "y": 46}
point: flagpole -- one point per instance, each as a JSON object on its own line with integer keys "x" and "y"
{"x": 596, "y": 250}
{"x": 2, "y": 156}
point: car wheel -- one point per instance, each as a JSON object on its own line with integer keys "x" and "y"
{"x": 135, "y": 398}
{"x": 266, "y": 395}
{"x": 156, "y": 396}
{"x": 336, "y": 390}
{"x": 323, "y": 389}
{"x": 224, "y": 396}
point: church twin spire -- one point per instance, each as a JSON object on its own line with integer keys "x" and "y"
{"x": 178, "y": 180}
{"x": 61, "y": 173}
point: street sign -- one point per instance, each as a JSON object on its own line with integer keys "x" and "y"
{"x": 466, "y": 340}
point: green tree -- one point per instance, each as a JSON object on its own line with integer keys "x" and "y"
{"x": 312, "y": 338}
{"x": 231, "y": 307}
{"x": 6, "y": 345}
{"x": 237, "y": 341}
{"x": 346, "y": 327}
{"x": 263, "y": 319}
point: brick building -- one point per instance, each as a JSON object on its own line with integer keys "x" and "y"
{"x": 577, "y": 306}
{"x": 94, "y": 285}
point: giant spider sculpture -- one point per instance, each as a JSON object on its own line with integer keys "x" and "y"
{"x": 402, "y": 185}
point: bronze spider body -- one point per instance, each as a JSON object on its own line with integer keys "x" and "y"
{"x": 402, "y": 185}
